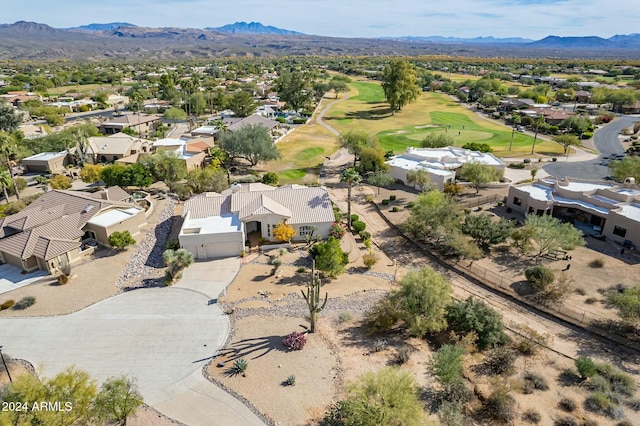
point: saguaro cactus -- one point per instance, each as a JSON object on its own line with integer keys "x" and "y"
{"x": 312, "y": 297}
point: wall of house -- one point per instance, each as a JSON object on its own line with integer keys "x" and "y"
{"x": 437, "y": 180}
{"x": 322, "y": 229}
{"x": 205, "y": 244}
{"x": 633, "y": 228}
{"x": 12, "y": 260}
{"x": 132, "y": 224}
{"x": 195, "y": 162}
{"x": 56, "y": 165}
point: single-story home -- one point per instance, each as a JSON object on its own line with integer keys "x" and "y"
{"x": 179, "y": 148}
{"x": 440, "y": 163}
{"x": 55, "y": 229}
{"x": 218, "y": 225}
{"x": 46, "y": 162}
{"x": 107, "y": 149}
{"x": 597, "y": 208}
{"x": 144, "y": 124}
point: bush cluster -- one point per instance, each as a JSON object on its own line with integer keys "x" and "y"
{"x": 295, "y": 341}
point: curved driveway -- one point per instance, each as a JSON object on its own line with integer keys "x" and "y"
{"x": 161, "y": 336}
{"x": 606, "y": 142}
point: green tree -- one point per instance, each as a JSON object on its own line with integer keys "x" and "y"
{"x": 165, "y": 166}
{"x": 329, "y": 257}
{"x": 566, "y": 141}
{"x": 271, "y": 178}
{"x": 437, "y": 140}
{"x": 446, "y": 364}
{"x": 122, "y": 175}
{"x": 420, "y": 178}
{"x": 479, "y": 174}
{"x": 485, "y": 231}
{"x": 434, "y": 215}
{"x": 60, "y": 182}
{"x": 121, "y": 239}
{"x": 586, "y": 367}
{"x": 627, "y": 302}
{"x": 399, "y": 83}
{"x": 252, "y": 142}
{"x": 380, "y": 178}
{"x": 576, "y": 124}
{"x": 626, "y": 168}
{"x": 242, "y": 104}
{"x": 471, "y": 316}
{"x": 371, "y": 160}
{"x": 7, "y": 146}
{"x": 549, "y": 234}
{"x": 174, "y": 114}
{"x": 294, "y": 89}
{"x": 208, "y": 179}
{"x": 91, "y": 173}
{"x": 176, "y": 261}
{"x": 118, "y": 399}
{"x": 338, "y": 86}
{"x": 9, "y": 119}
{"x": 351, "y": 177}
{"x": 5, "y": 183}
{"x": 621, "y": 98}
{"x": 422, "y": 300}
{"x": 355, "y": 141}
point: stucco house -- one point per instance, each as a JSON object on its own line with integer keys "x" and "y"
{"x": 56, "y": 229}
{"x": 107, "y": 149}
{"x": 143, "y": 124}
{"x": 192, "y": 160}
{"x": 218, "y": 225}
{"x": 440, "y": 163}
{"x": 46, "y": 162}
{"x": 596, "y": 208}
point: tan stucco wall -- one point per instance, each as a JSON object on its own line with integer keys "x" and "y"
{"x": 632, "y": 227}
{"x": 132, "y": 224}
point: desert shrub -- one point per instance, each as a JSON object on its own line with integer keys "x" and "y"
{"x": 6, "y": 305}
{"x": 369, "y": 260}
{"x": 367, "y": 242}
{"x": 358, "y": 226}
{"x": 470, "y": 315}
{"x": 301, "y": 270}
{"x": 446, "y": 364}
{"x": 368, "y": 198}
{"x": 587, "y": 135}
{"x": 364, "y": 235}
{"x": 270, "y": 178}
{"x": 380, "y": 345}
{"x": 402, "y": 355}
{"x": 291, "y": 380}
{"x": 565, "y": 421}
{"x": 634, "y": 404}
{"x": 276, "y": 262}
{"x": 450, "y": 414}
{"x": 596, "y": 263}
{"x": 25, "y": 302}
{"x": 589, "y": 422}
{"x": 500, "y": 360}
{"x": 581, "y": 291}
{"x": 624, "y": 423}
{"x": 63, "y": 279}
{"x": 392, "y": 197}
{"x": 295, "y": 341}
{"x": 567, "y": 404}
{"x": 337, "y": 230}
{"x": 516, "y": 166}
{"x": 410, "y": 204}
{"x": 354, "y": 218}
{"x": 599, "y": 402}
{"x": 395, "y": 209}
{"x": 385, "y": 202}
{"x": 383, "y": 315}
{"x": 500, "y": 406}
{"x": 536, "y": 381}
{"x": 240, "y": 366}
{"x": 121, "y": 239}
{"x": 388, "y": 397}
{"x": 539, "y": 276}
{"x": 590, "y": 300}
{"x": 344, "y": 317}
{"x": 531, "y": 416}
{"x": 619, "y": 381}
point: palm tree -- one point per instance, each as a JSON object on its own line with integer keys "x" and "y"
{"x": 351, "y": 177}
{"x": 419, "y": 177}
{"x": 5, "y": 181}
{"x": 137, "y": 98}
{"x": 6, "y": 149}
{"x": 515, "y": 120}
{"x": 537, "y": 122}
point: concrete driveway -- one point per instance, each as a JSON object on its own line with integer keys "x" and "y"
{"x": 161, "y": 336}
{"x": 11, "y": 277}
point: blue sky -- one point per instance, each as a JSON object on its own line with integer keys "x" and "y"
{"x": 351, "y": 18}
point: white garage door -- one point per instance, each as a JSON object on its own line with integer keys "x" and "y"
{"x": 220, "y": 250}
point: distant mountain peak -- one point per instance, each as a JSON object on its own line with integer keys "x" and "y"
{"x": 589, "y": 42}
{"x": 31, "y": 26}
{"x": 102, "y": 27}
{"x": 458, "y": 40}
{"x": 252, "y": 28}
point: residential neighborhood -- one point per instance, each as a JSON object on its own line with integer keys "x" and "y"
{"x": 227, "y": 239}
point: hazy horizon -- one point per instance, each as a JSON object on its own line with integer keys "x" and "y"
{"x": 532, "y": 19}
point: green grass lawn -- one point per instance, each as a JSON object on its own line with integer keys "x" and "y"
{"x": 432, "y": 112}
{"x": 309, "y": 153}
{"x": 292, "y": 174}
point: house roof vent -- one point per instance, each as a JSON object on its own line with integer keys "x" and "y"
{"x": 87, "y": 209}
{"x": 236, "y": 187}
{"x": 630, "y": 180}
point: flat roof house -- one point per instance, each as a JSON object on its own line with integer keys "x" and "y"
{"x": 596, "y": 208}
{"x": 440, "y": 163}
{"x": 218, "y": 225}
{"x": 46, "y": 162}
{"x": 192, "y": 160}
{"x": 50, "y": 231}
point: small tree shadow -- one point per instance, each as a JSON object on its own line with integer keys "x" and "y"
{"x": 253, "y": 348}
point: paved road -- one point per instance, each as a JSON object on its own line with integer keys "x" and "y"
{"x": 161, "y": 336}
{"x": 606, "y": 142}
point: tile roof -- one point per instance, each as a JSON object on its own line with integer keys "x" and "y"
{"x": 300, "y": 203}
{"x": 118, "y": 144}
{"x": 133, "y": 119}
{"x": 255, "y": 119}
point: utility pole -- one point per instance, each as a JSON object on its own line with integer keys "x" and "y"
{"x": 5, "y": 365}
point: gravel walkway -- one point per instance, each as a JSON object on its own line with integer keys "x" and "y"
{"x": 146, "y": 261}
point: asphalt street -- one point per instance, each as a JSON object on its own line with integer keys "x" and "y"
{"x": 606, "y": 142}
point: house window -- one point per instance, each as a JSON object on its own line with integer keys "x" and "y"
{"x": 269, "y": 230}
{"x": 619, "y": 231}
{"x": 305, "y": 230}
{"x": 517, "y": 201}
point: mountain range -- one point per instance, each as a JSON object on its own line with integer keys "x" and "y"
{"x": 30, "y": 40}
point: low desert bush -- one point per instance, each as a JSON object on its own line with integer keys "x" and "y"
{"x": 568, "y": 405}
{"x": 344, "y": 317}
{"x": 6, "y": 305}
{"x": 358, "y": 226}
{"x": 291, "y": 380}
{"x": 301, "y": 270}
{"x": 385, "y": 202}
{"x": 531, "y": 416}
{"x": 395, "y": 209}
{"x": 596, "y": 263}
{"x": 537, "y": 381}
{"x": 500, "y": 406}
{"x": 402, "y": 355}
{"x": 354, "y": 218}
{"x": 294, "y": 341}
{"x": 25, "y": 302}
{"x": 500, "y": 360}
{"x": 369, "y": 260}
{"x": 392, "y": 197}
{"x": 380, "y": 345}
{"x": 565, "y": 421}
